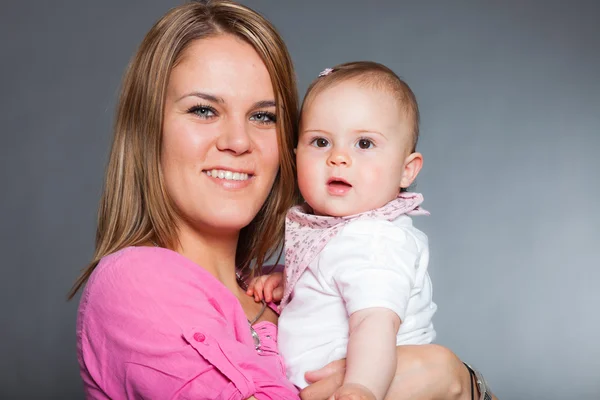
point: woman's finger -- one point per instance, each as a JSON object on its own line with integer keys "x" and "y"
{"x": 324, "y": 388}
{"x": 332, "y": 368}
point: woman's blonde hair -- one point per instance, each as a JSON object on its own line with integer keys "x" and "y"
{"x": 135, "y": 208}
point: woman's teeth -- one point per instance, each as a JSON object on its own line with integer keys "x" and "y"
{"x": 228, "y": 175}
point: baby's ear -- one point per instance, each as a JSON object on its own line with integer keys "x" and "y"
{"x": 295, "y": 149}
{"x": 412, "y": 167}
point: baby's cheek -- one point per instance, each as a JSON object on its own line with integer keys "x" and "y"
{"x": 375, "y": 174}
{"x": 379, "y": 182}
{"x": 307, "y": 178}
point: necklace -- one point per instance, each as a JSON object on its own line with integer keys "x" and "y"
{"x": 244, "y": 286}
{"x": 253, "y": 332}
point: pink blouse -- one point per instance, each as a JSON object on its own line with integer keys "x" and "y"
{"x": 152, "y": 324}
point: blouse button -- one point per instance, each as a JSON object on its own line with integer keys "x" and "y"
{"x": 199, "y": 337}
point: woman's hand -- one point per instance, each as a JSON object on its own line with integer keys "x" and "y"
{"x": 424, "y": 372}
{"x": 325, "y": 381}
{"x": 353, "y": 391}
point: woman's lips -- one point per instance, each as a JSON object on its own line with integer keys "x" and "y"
{"x": 227, "y": 179}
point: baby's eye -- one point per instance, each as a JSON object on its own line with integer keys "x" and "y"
{"x": 320, "y": 142}
{"x": 365, "y": 144}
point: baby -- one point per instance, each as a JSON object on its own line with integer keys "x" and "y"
{"x": 356, "y": 282}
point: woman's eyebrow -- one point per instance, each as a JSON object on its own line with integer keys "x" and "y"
{"x": 264, "y": 104}
{"x": 205, "y": 96}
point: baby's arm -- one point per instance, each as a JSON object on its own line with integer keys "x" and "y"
{"x": 371, "y": 360}
{"x": 372, "y": 265}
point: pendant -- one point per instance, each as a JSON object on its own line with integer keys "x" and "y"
{"x": 256, "y": 339}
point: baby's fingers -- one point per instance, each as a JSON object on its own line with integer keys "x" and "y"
{"x": 272, "y": 283}
{"x": 255, "y": 289}
{"x": 278, "y": 294}
{"x": 258, "y": 290}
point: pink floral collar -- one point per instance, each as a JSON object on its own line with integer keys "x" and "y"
{"x": 306, "y": 234}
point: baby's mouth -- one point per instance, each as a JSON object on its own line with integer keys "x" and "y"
{"x": 338, "y": 183}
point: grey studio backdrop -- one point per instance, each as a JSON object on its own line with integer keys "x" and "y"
{"x": 509, "y": 94}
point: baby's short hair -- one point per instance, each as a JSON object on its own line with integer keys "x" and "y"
{"x": 374, "y": 75}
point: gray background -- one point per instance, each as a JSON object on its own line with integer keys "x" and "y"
{"x": 509, "y": 93}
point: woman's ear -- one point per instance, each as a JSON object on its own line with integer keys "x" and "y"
{"x": 412, "y": 167}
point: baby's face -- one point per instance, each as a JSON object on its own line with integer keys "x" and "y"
{"x": 353, "y": 149}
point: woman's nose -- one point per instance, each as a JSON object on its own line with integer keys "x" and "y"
{"x": 235, "y": 138}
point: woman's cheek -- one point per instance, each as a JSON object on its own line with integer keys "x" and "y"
{"x": 270, "y": 150}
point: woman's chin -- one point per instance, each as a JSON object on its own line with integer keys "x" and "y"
{"x": 228, "y": 222}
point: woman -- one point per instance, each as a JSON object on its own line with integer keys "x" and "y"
{"x": 200, "y": 176}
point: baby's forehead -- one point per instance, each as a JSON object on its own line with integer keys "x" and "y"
{"x": 375, "y": 83}
{"x": 357, "y": 90}
{"x": 386, "y": 96}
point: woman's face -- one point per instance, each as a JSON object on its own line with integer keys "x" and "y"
{"x": 219, "y": 151}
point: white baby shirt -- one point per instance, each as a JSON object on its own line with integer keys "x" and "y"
{"x": 369, "y": 262}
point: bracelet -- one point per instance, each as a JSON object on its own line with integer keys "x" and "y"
{"x": 471, "y": 379}
{"x": 484, "y": 391}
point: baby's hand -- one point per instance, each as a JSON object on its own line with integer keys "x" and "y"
{"x": 268, "y": 287}
{"x": 353, "y": 391}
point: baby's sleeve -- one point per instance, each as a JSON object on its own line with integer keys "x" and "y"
{"x": 372, "y": 263}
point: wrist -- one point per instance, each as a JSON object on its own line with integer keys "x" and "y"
{"x": 480, "y": 386}
{"x": 356, "y": 390}
{"x": 376, "y": 380}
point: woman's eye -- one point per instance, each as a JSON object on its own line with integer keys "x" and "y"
{"x": 365, "y": 144}
{"x": 320, "y": 142}
{"x": 203, "y": 111}
{"x": 264, "y": 118}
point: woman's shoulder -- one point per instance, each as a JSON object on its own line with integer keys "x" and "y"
{"x": 144, "y": 264}
{"x": 134, "y": 257}
{"x": 142, "y": 287}
{"x": 134, "y": 275}
{"x": 119, "y": 261}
